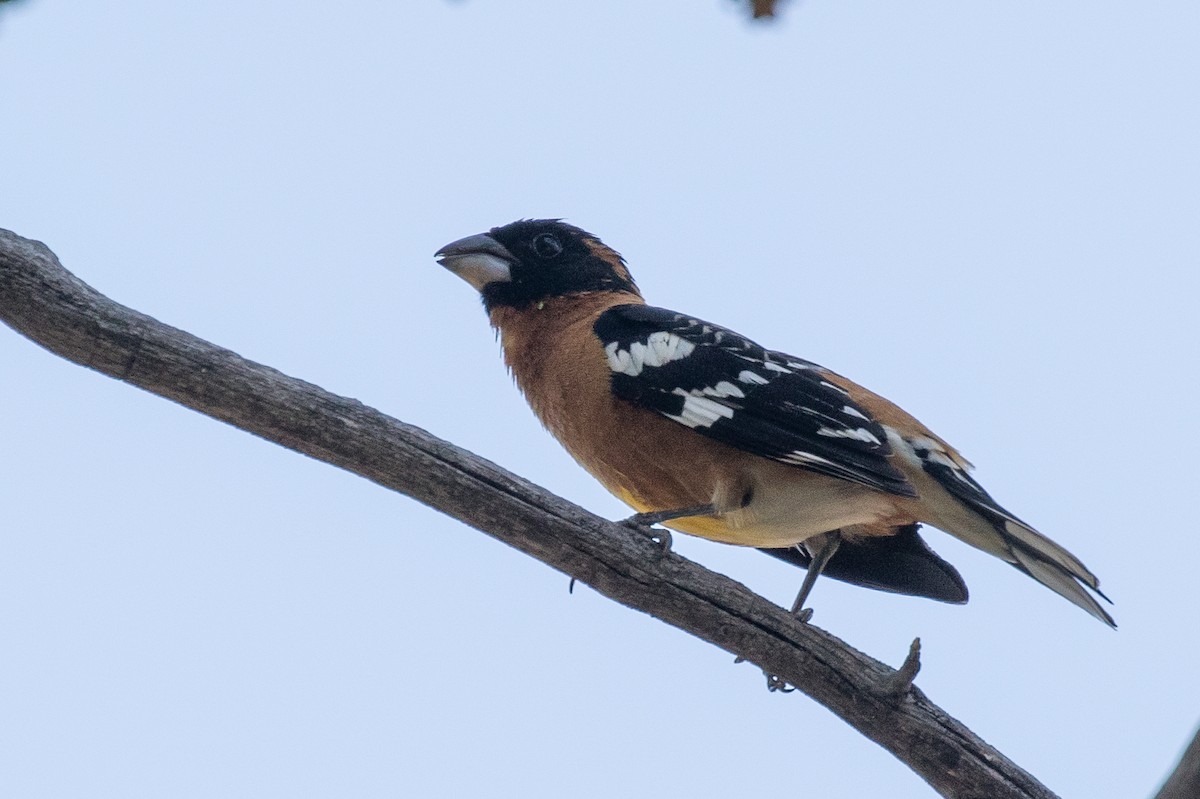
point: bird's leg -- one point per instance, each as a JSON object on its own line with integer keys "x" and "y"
{"x": 643, "y": 521}
{"x": 826, "y": 544}
{"x": 660, "y": 516}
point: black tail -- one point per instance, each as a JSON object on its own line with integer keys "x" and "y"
{"x": 902, "y": 564}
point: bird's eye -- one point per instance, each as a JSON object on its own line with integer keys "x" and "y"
{"x": 546, "y": 245}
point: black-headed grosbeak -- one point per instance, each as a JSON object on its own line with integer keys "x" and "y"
{"x": 706, "y": 432}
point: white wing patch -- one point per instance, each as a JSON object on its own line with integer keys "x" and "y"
{"x": 850, "y": 410}
{"x": 724, "y": 389}
{"x": 700, "y": 411}
{"x": 930, "y": 450}
{"x": 801, "y": 458}
{"x": 860, "y": 433}
{"x": 659, "y": 348}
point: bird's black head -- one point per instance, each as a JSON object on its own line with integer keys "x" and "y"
{"x": 533, "y": 260}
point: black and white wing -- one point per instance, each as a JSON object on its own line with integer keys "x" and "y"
{"x": 726, "y": 387}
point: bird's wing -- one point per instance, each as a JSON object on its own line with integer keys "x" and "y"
{"x": 726, "y": 387}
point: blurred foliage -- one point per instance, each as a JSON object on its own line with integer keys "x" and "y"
{"x": 763, "y": 9}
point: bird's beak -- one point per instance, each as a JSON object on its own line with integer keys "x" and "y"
{"x": 479, "y": 260}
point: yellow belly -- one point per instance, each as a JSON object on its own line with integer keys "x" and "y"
{"x": 714, "y": 528}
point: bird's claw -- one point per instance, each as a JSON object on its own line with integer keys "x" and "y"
{"x": 774, "y": 681}
{"x": 659, "y": 535}
{"x": 777, "y": 683}
{"x": 662, "y": 537}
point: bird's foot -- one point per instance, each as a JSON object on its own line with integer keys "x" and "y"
{"x": 643, "y": 523}
{"x": 821, "y": 548}
{"x": 777, "y": 683}
{"x": 774, "y": 681}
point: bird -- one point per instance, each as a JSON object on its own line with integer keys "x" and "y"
{"x": 703, "y": 431}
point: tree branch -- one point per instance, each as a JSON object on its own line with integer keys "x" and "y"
{"x": 1184, "y": 781}
{"x": 49, "y": 305}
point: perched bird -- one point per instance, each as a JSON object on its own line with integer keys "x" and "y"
{"x": 705, "y": 431}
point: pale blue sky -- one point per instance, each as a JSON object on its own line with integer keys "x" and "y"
{"x": 985, "y": 211}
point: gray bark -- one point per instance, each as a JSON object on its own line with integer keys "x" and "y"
{"x": 1184, "y": 781}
